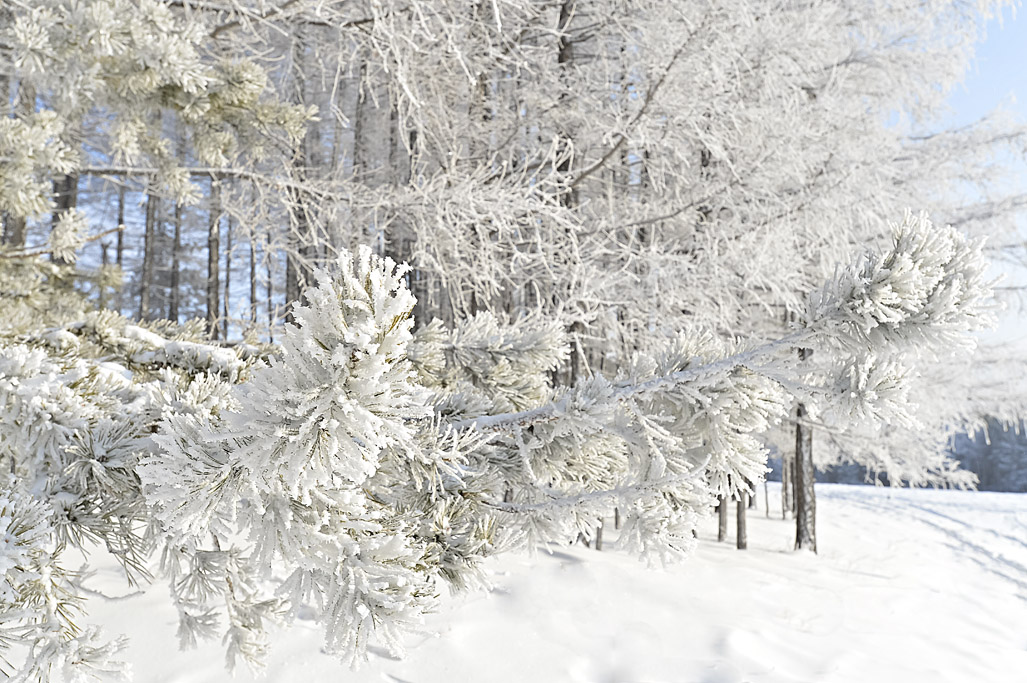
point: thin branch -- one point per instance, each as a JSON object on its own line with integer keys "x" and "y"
{"x": 548, "y": 412}
{"x": 632, "y": 490}
{"x": 31, "y": 252}
{"x": 649, "y": 96}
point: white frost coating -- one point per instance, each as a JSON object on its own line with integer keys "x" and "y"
{"x": 68, "y": 235}
{"x": 145, "y": 348}
{"x": 35, "y": 599}
{"x": 191, "y": 355}
{"x": 61, "y": 339}
{"x": 928, "y": 291}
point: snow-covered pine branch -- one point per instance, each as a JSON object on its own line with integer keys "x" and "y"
{"x": 339, "y": 470}
{"x": 884, "y": 315}
{"x": 702, "y": 406}
{"x": 79, "y": 403}
{"x": 331, "y": 470}
{"x": 140, "y": 349}
{"x": 39, "y": 602}
{"x": 495, "y": 365}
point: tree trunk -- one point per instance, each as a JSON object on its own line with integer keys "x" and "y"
{"x": 300, "y": 248}
{"x": 576, "y": 328}
{"x": 5, "y": 112}
{"x": 253, "y": 282}
{"x": 786, "y": 486}
{"x": 65, "y": 190}
{"x": 149, "y": 238}
{"x": 294, "y": 269}
{"x": 101, "y": 283}
{"x": 175, "y": 296}
{"x": 119, "y": 249}
{"x": 599, "y": 535}
{"x": 805, "y": 498}
{"x": 791, "y": 488}
{"x": 766, "y": 497}
{"x": 213, "y": 258}
{"x": 564, "y": 57}
{"x": 228, "y": 278}
{"x": 270, "y": 291}
{"x": 741, "y": 538}
{"x": 722, "y": 519}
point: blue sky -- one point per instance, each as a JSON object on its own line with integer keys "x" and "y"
{"x": 999, "y": 72}
{"x": 999, "y": 77}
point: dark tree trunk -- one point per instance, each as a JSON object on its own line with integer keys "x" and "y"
{"x": 228, "y": 278}
{"x": 599, "y": 535}
{"x": 805, "y": 497}
{"x": 213, "y": 258}
{"x": 297, "y": 271}
{"x": 300, "y": 248}
{"x": 175, "y": 295}
{"x": 786, "y": 485}
{"x": 741, "y": 538}
{"x": 791, "y": 489}
{"x": 101, "y": 284}
{"x": 564, "y": 56}
{"x": 119, "y": 248}
{"x": 14, "y": 231}
{"x": 149, "y": 239}
{"x": 119, "y": 256}
{"x": 5, "y": 112}
{"x": 253, "y": 282}
{"x": 65, "y": 190}
{"x": 576, "y": 329}
{"x": 270, "y": 291}
{"x": 722, "y": 520}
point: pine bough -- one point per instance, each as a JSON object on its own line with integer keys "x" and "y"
{"x": 363, "y": 466}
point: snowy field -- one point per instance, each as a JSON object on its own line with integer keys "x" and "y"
{"x": 909, "y": 586}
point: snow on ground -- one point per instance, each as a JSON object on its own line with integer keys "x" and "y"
{"x": 909, "y": 586}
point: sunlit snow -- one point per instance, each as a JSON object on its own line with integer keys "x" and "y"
{"x": 909, "y": 586}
